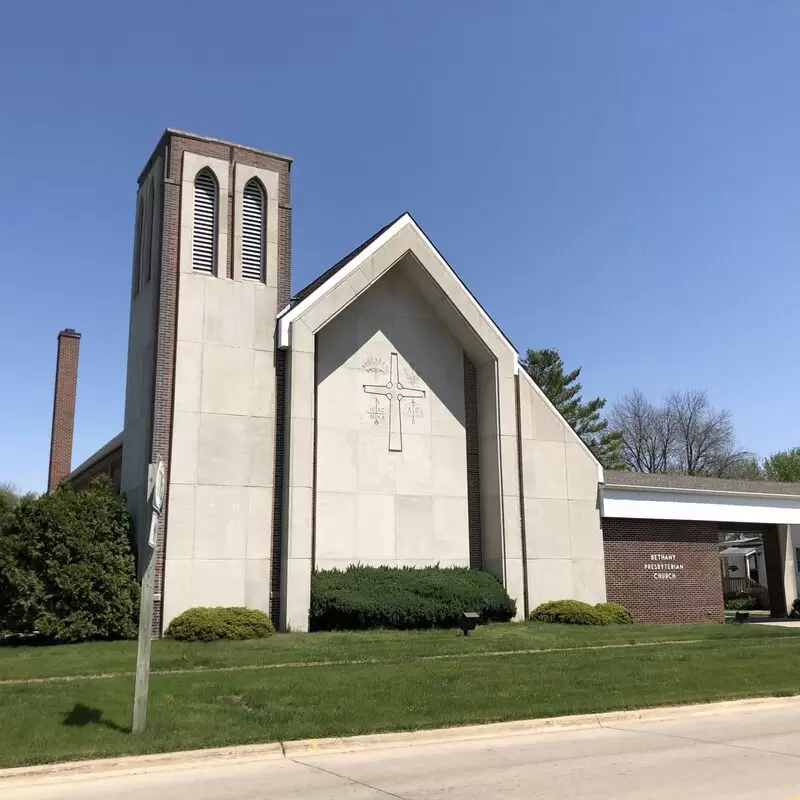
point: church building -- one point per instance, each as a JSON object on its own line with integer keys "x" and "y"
{"x": 376, "y": 416}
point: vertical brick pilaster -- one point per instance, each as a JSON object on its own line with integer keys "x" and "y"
{"x": 69, "y": 342}
{"x": 166, "y": 320}
{"x": 276, "y": 551}
{"x": 473, "y": 465}
{"x": 284, "y": 256}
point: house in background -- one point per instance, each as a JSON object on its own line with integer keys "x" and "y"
{"x": 744, "y": 558}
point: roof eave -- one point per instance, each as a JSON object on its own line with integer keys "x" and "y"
{"x": 686, "y": 490}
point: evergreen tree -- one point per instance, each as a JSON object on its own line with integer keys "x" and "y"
{"x": 547, "y": 370}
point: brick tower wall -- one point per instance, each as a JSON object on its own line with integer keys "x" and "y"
{"x": 153, "y": 361}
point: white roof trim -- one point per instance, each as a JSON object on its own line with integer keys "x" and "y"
{"x": 291, "y": 313}
{"x": 738, "y": 551}
{"x": 738, "y": 507}
{"x": 489, "y": 321}
{"x": 683, "y": 490}
{"x": 536, "y": 388}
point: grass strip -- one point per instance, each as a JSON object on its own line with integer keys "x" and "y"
{"x": 87, "y": 719}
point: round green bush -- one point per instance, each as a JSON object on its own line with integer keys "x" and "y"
{"x": 615, "y": 613}
{"x": 568, "y": 612}
{"x": 213, "y": 624}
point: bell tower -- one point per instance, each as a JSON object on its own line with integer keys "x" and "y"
{"x": 211, "y": 270}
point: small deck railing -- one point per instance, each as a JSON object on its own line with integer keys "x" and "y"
{"x": 744, "y": 585}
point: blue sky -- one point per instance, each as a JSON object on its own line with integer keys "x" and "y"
{"x": 619, "y": 180}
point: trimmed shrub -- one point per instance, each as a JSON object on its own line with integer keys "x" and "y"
{"x": 744, "y": 603}
{"x": 615, "y": 613}
{"x": 212, "y": 624}
{"x": 67, "y": 572}
{"x": 405, "y": 597}
{"x": 569, "y": 612}
{"x": 795, "y": 612}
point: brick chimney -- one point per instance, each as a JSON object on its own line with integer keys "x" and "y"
{"x": 69, "y": 343}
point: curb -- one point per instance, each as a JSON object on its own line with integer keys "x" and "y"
{"x": 136, "y": 764}
{"x": 387, "y": 741}
{"x": 354, "y": 744}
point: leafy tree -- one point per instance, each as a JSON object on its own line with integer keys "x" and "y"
{"x": 783, "y": 466}
{"x": 9, "y": 497}
{"x": 547, "y": 369}
{"x": 66, "y": 568}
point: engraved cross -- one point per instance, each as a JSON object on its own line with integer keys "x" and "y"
{"x": 395, "y": 392}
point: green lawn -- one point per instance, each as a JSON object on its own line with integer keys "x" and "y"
{"x": 400, "y": 688}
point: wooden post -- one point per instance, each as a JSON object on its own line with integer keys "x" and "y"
{"x": 145, "y": 641}
{"x": 155, "y": 495}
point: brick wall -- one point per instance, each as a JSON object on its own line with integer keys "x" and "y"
{"x": 276, "y": 552}
{"x": 110, "y": 464}
{"x": 473, "y": 465}
{"x": 69, "y": 343}
{"x": 641, "y": 557}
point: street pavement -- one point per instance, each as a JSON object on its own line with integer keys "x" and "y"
{"x": 751, "y": 753}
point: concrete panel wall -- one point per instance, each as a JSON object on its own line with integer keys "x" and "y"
{"x": 562, "y": 520}
{"x": 407, "y": 250}
{"x": 391, "y": 475}
{"x": 223, "y": 453}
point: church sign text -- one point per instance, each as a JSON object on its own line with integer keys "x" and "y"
{"x": 664, "y": 566}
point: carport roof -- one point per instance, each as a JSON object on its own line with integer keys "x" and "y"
{"x": 647, "y": 480}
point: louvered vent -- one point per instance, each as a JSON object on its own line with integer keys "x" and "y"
{"x": 205, "y": 223}
{"x": 253, "y": 232}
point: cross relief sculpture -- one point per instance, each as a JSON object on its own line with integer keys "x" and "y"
{"x": 394, "y": 392}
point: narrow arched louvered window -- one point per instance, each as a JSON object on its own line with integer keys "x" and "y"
{"x": 253, "y": 246}
{"x": 204, "y": 237}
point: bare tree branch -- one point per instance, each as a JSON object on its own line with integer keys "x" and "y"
{"x": 685, "y": 434}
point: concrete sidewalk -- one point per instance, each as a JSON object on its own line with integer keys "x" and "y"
{"x": 742, "y": 750}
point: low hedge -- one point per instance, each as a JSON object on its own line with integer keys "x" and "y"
{"x": 406, "y": 597}
{"x": 211, "y": 624}
{"x": 576, "y": 612}
{"x": 615, "y": 613}
{"x": 569, "y": 612}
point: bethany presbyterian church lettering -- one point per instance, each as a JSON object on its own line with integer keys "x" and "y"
{"x": 664, "y": 565}
{"x": 395, "y": 393}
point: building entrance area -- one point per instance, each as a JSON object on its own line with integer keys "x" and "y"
{"x": 678, "y": 547}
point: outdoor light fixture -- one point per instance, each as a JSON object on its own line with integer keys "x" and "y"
{"x": 468, "y": 621}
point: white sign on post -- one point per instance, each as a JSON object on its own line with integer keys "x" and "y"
{"x": 153, "y": 538}
{"x": 159, "y": 488}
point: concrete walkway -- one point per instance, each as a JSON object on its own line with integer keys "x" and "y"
{"x": 734, "y": 752}
{"x": 784, "y": 623}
